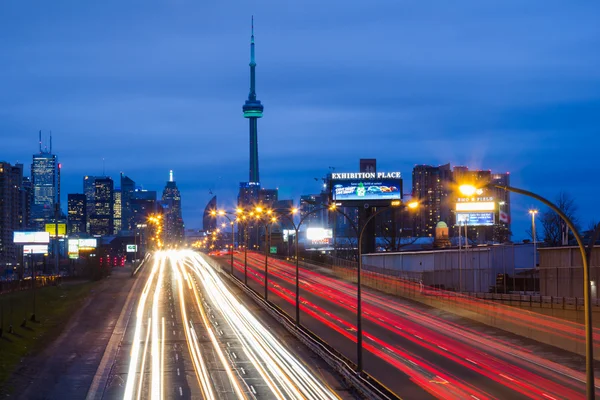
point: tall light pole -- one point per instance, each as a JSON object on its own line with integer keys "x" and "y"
{"x": 359, "y": 330}
{"x": 533, "y": 214}
{"x": 470, "y": 190}
{"x": 223, "y": 213}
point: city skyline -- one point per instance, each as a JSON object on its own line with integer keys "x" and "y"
{"x": 415, "y": 107}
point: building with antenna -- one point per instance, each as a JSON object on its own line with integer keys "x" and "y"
{"x": 45, "y": 182}
{"x": 171, "y": 203}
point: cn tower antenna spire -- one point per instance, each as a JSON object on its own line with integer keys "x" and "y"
{"x": 253, "y": 110}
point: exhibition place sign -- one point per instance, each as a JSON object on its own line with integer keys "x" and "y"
{"x": 365, "y": 175}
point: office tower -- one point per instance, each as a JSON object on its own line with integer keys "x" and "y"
{"x": 268, "y": 197}
{"x": 45, "y": 180}
{"x": 26, "y": 199}
{"x": 101, "y": 221}
{"x": 171, "y": 200}
{"x": 127, "y": 190}
{"x": 89, "y": 190}
{"x": 77, "y": 213}
{"x": 431, "y": 187}
{"x": 253, "y": 110}
{"x": 209, "y": 222}
{"x": 117, "y": 211}
{"x": 143, "y": 204}
{"x": 11, "y": 177}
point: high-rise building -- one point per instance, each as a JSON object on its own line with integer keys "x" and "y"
{"x": 143, "y": 203}
{"x": 253, "y": 110}
{"x": 209, "y": 222}
{"x": 89, "y": 190}
{"x": 11, "y": 177}
{"x": 101, "y": 221}
{"x": 45, "y": 180}
{"x": 127, "y": 189}
{"x": 26, "y": 198}
{"x": 436, "y": 190}
{"x": 431, "y": 186}
{"x": 268, "y": 197}
{"x": 171, "y": 200}
{"x": 117, "y": 211}
{"x": 77, "y": 213}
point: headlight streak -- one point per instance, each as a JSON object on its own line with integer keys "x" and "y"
{"x": 156, "y": 370}
{"x": 162, "y": 361}
{"x": 282, "y": 373}
{"x": 141, "y": 383}
{"x": 191, "y": 340}
{"x": 293, "y": 377}
{"x": 234, "y": 381}
{"x": 135, "y": 347}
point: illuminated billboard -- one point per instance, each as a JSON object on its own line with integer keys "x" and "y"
{"x": 366, "y": 189}
{"x": 476, "y": 206}
{"x": 35, "y": 249}
{"x": 318, "y": 234}
{"x": 51, "y": 229}
{"x": 475, "y": 218}
{"x": 31, "y": 237}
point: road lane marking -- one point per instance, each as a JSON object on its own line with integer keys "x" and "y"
{"x": 178, "y": 372}
{"x": 176, "y": 357}
{"x": 443, "y": 348}
{"x": 180, "y": 391}
{"x": 507, "y": 377}
{"x": 252, "y": 388}
{"x": 471, "y": 361}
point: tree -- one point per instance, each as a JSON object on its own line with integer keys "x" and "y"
{"x": 553, "y": 225}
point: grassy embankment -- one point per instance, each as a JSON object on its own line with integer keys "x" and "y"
{"x": 53, "y": 305}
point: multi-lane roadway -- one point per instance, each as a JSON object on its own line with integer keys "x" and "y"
{"x": 190, "y": 336}
{"x": 411, "y": 350}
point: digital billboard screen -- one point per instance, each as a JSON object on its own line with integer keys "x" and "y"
{"x": 35, "y": 249}
{"x": 475, "y": 218}
{"x": 31, "y": 237}
{"x": 366, "y": 189}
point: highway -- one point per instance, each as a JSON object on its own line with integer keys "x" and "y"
{"x": 411, "y": 350}
{"x": 190, "y": 336}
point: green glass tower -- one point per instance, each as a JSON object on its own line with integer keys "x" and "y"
{"x": 253, "y": 110}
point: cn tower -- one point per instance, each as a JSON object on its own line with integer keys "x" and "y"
{"x": 253, "y": 110}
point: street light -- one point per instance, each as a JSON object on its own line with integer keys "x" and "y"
{"x": 223, "y": 213}
{"x": 533, "y": 213}
{"x": 585, "y": 257}
{"x": 359, "y": 334}
{"x": 294, "y": 211}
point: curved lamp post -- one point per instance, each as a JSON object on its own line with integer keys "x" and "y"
{"x": 359, "y": 330}
{"x": 470, "y": 190}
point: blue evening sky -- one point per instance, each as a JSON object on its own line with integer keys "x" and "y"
{"x": 156, "y": 85}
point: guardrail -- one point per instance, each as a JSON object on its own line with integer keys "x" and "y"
{"x": 135, "y": 270}
{"x": 365, "y": 385}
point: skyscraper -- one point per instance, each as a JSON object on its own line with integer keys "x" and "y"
{"x": 171, "y": 199}
{"x": 11, "y": 177}
{"x": 127, "y": 190}
{"x": 253, "y": 110}
{"x": 209, "y": 222}
{"x": 431, "y": 186}
{"x": 117, "y": 211}
{"x": 77, "y": 213}
{"x": 89, "y": 190}
{"x": 45, "y": 180}
{"x": 101, "y": 221}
